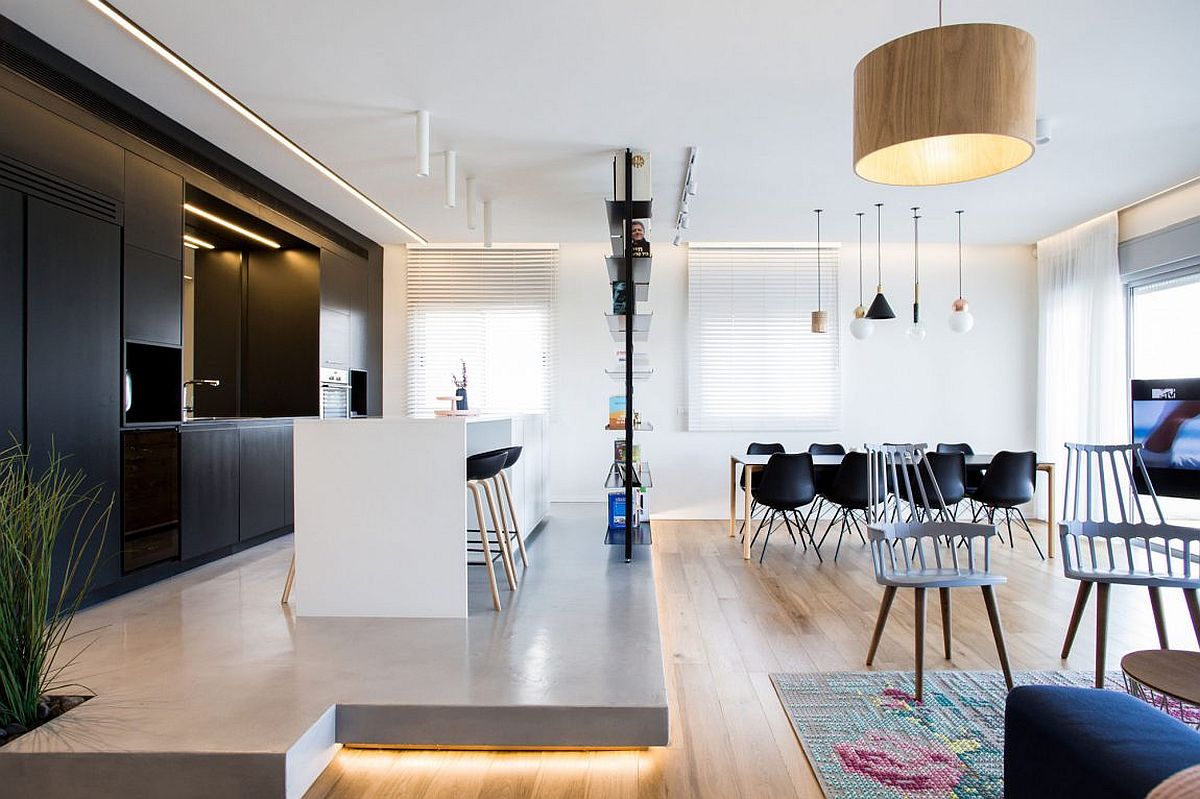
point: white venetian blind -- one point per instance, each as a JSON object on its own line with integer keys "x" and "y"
{"x": 753, "y": 362}
{"x": 491, "y": 307}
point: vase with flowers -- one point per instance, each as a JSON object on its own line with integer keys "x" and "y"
{"x": 460, "y": 389}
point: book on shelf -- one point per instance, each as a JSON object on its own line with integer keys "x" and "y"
{"x": 643, "y": 187}
{"x": 619, "y": 452}
{"x": 616, "y": 410}
{"x": 616, "y": 508}
{"x": 620, "y": 297}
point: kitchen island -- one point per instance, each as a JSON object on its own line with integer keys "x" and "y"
{"x": 381, "y": 510}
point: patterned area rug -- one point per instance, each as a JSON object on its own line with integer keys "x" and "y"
{"x": 867, "y": 738}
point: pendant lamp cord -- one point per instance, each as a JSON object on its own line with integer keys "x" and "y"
{"x": 939, "y": 13}
{"x": 879, "y": 245}
{"x": 916, "y": 256}
{"x": 817, "y": 211}
{"x": 860, "y": 282}
{"x": 960, "y": 213}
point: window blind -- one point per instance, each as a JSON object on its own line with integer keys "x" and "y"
{"x": 754, "y": 363}
{"x": 490, "y": 307}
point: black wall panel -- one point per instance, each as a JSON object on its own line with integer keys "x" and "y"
{"x": 12, "y": 317}
{"x": 281, "y": 355}
{"x": 153, "y": 207}
{"x": 218, "y": 326}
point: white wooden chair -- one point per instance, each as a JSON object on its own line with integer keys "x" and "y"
{"x": 944, "y": 554}
{"x": 1108, "y": 539}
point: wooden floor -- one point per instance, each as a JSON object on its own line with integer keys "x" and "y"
{"x": 726, "y": 625}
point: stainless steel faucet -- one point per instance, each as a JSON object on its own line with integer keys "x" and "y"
{"x": 187, "y": 409}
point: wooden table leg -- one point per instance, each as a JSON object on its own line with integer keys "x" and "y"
{"x": 1048, "y": 468}
{"x": 732, "y": 496}
{"x": 747, "y": 470}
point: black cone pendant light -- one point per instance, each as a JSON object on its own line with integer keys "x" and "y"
{"x": 879, "y": 306}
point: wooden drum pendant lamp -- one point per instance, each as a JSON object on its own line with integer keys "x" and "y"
{"x": 945, "y": 105}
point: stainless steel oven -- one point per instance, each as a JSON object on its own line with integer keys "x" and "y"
{"x": 335, "y": 394}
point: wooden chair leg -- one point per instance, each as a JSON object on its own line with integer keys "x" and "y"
{"x": 989, "y": 599}
{"x": 487, "y": 549}
{"x": 919, "y": 626}
{"x": 1081, "y": 600}
{"x": 885, "y": 607}
{"x": 287, "y": 586}
{"x": 1102, "y": 590}
{"x": 1193, "y": 606}
{"x": 516, "y": 526}
{"x": 1160, "y": 624}
{"x": 944, "y": 597}
{"x": 510, "y": 571}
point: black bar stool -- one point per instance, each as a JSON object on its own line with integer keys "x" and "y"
{"x": 481, "y": 471}
{"x": 513, "y": 530}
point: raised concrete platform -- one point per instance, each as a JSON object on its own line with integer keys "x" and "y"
{"x": 208, "y": 687}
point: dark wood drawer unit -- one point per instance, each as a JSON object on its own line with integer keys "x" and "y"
{"x": 266, "y": 504}
{"x": 209, "y": 498}
{"x": 150, "y": 497}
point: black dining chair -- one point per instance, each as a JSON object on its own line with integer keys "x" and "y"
{"x": 851, "y": 496}
{"x": 787, "y": 485}
{"x": 1007, "y": 484}
{"x": 823, "y": 475}
{"x": 756, "y": 448}
{"x": 974, "y": 473}
{"x": 949, "y": 475}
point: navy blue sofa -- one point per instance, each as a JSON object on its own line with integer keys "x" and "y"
{"x": 1084, "y": 743}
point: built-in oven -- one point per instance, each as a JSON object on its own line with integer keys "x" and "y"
{"x": 335, "y": 393}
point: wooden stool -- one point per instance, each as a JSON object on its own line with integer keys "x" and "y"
{"x": 481, "y": 472}
{"x": 512, "y": 455}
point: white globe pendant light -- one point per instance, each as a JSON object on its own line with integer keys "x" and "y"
{"x": 860, "y": 326}
{"x": 961, "y": 320}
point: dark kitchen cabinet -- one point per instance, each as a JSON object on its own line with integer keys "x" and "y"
{"x": 266, "y": 479}
{"x": 149, "y": 498}
{"x": 153, "y": 289}
{"x": 209, "y": 509}
{"x": 153, "y": 208}
{"x": 360, "y": 329}
{"x": 336, "y": 278}
{"x": 281, "y": 354}
{"x": 218, "y": 331}
{"x": 12, "y": 317}
{"x": 73, "y": 357}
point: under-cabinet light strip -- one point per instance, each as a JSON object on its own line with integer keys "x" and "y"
{"x": 137, "y": 32}
{"x": 191, "y": 246}
{"x": 225, "y": 223}
{"x": 195, "y": 242}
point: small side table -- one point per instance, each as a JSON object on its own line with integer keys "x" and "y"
{"x": 1168, "y": 679}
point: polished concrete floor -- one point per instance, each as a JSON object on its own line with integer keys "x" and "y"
{"x": 210, "y": 665}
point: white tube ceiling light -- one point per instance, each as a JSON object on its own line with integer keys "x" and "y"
{"x": 422, "y": 144}
{"x": 451, "y": 178}
{"x": 168, "y": 55}
{"x": 225, "y": 223}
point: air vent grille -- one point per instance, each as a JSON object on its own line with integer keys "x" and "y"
{"x": 38, "y": 183}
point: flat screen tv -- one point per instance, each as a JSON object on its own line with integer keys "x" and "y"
{"x": 1166, "y": 422}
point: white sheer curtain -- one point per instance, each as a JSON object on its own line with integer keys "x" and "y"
{"x": 1082, "y": 388}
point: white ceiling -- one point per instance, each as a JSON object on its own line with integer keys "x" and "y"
{"x": 536, "y": 95}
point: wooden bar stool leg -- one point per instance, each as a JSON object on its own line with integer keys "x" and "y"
{"x": 287, "y": 586}
{"x": 1160, "y": 624}
{"x": 919, "y": 625}
{"x": 1081, "y": 600}
{"x": 944, "y": 596}
{"x": 885, "y": 607}
{"x": 989, "y": 599}
{"x": 1101, "y": 630}
{"x": 501, "y": 536}
{"x": 487, "y": 549}
{"x": 512, "y": 511}
{"x": 1193, "y": 606}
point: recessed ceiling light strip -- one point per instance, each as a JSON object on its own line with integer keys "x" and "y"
{"x": 195, "y": 242}
{"x": 134, "y": 30}
{"x": 225, "y": 223}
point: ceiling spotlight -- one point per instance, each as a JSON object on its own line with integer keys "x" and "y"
{"x": 1043, "y": 130}
{"x": 683, "y": 220}
{"x": 678, "y": 239}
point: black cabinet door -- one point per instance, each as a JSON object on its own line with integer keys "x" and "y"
{"x": 280, "y": 369}
{"x": 360, "y": 312}
{"x": 73, "y": 356}
{"x": 153, "y": 207}
{"x": 335, "y": 282}
{"x": 209, "y": 512}
{"x": 12, "y": 317}
{"x": 153, "y": 297}
{"x": 266, "y": 480}
{"x": 218, "y": 331}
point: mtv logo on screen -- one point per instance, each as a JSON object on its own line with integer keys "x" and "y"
{"x": 1162, "y": 393}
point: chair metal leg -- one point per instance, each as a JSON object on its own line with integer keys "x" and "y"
{"x": 1101, "y": 630}
{"x": 516, "y": 528}
{"x": 510, "y": 571}
{"x": 944, "y": 597}
{"x": 287, "y": 585}
{"x": 767, "y": 540}
{"x": 885, "y": 607}
{"x": 758, "y": 529}
{"x": 488, "y": 563}
{"x": 841, "y": 533}
{"x": 1160, "y": 624}
{"x": 919, "y": 626}
{"x": 800, "y": 528}
{"x": 1081, "y": 600}
{"x": 788, "y": 524}
{"x": 1028, "y": 529}
{"x": 1008, "y": 526}
{"x": 989, "y": 599}
{"x": 1193, "y": 606}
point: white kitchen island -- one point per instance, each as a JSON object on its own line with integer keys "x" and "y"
{"x": 382, "y": 510}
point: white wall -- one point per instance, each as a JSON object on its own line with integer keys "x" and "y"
{"x": 977, "y": 388}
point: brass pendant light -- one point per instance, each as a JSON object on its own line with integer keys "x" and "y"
{"x": 820, "y": 318}
{"x": 945, "y": 105}
{"x": 860, "y": 326}
{"x": 880, "y": 309}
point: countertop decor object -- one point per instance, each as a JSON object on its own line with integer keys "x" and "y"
{"x": 945, "y": 105}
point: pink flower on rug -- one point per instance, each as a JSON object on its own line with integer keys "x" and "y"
{"x": 896, "y": 699}
{"x": 916, "y": 767}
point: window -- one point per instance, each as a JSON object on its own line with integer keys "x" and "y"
{"x": 492, "y": 308}
{"x": 1164, "y": 328}
{"x": 754, "y": 363}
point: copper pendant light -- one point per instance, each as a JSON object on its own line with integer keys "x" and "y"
{"x": 860, "y": 326}
{"x": 961, "y": 320}
{"x": 880, "y": 309}
{"x": 945, "y": 105}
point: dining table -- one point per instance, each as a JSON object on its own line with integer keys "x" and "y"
{"x": 752, "y": 463}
